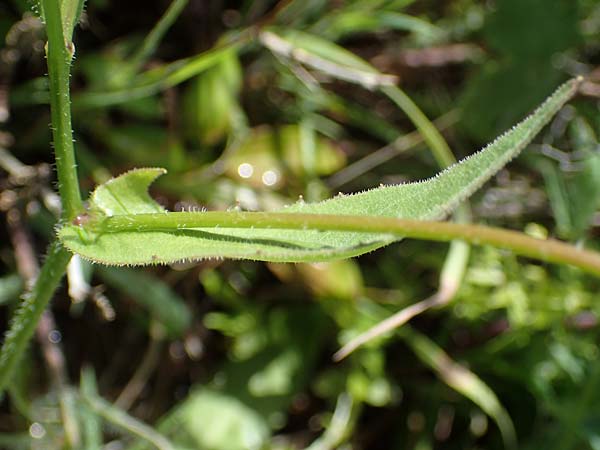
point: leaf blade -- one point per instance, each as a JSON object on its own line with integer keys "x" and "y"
{"x": 425, "y": 200}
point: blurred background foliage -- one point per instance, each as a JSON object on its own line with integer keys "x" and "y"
{"x": 237, "y": 355}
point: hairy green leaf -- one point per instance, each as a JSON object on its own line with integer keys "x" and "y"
{"x": 177, "y": 236}
{"x": 127, "y": 194}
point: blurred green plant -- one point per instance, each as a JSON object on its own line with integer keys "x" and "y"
{"x": 527, "y": 64}
{"x": 274, "y": 349}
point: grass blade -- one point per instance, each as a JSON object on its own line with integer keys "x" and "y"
{"x": 462, "y": 380}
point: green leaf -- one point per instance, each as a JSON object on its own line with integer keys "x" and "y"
{"x": 338, "y": 26}
{"x": 155, "y": 80}
{"x": 210, "y": 101}
{"x": 522, "y": 69}
{"x": 251, "y": 392}
{"x": 575, "y": 194}
{"x": 127, "y": 194}
{"x": 71, "y": 12}
{"x": 236, "y": 426}
{"x": 324, "y": 56}
{"x": 172, "y": 237}
{"x": 164, "y": 304}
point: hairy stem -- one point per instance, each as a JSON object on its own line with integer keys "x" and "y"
{"x": 29, "y": 312}
{"x": 543, "y": 249}
{"x": 59, "y": 54}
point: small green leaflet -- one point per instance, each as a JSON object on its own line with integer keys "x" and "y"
{"x": 432, "y": 199}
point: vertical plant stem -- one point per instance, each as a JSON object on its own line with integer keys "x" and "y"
{"x": 59, "y": 54}
{"x": 27, "y": 264}
{"x": 29, "y": 312}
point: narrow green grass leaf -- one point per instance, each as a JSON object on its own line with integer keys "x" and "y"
{"x": 348, "y": 23}
{"x": 155, "y": 80}
{"x": 324, "y": 56}
{"x": 114, "y": 232}
{"x": 164, "y": 304}
{"x": 462, "y": 380}
{"x": 90, "y": 421}
{"x": 121, "y": 419}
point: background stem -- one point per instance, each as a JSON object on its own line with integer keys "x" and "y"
{"x": 153, "y": 38}
{"x": 437, "y": 144}
{"x": 121, "y": 419}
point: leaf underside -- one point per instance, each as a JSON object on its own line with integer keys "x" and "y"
{"x": 431, "y": 199}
